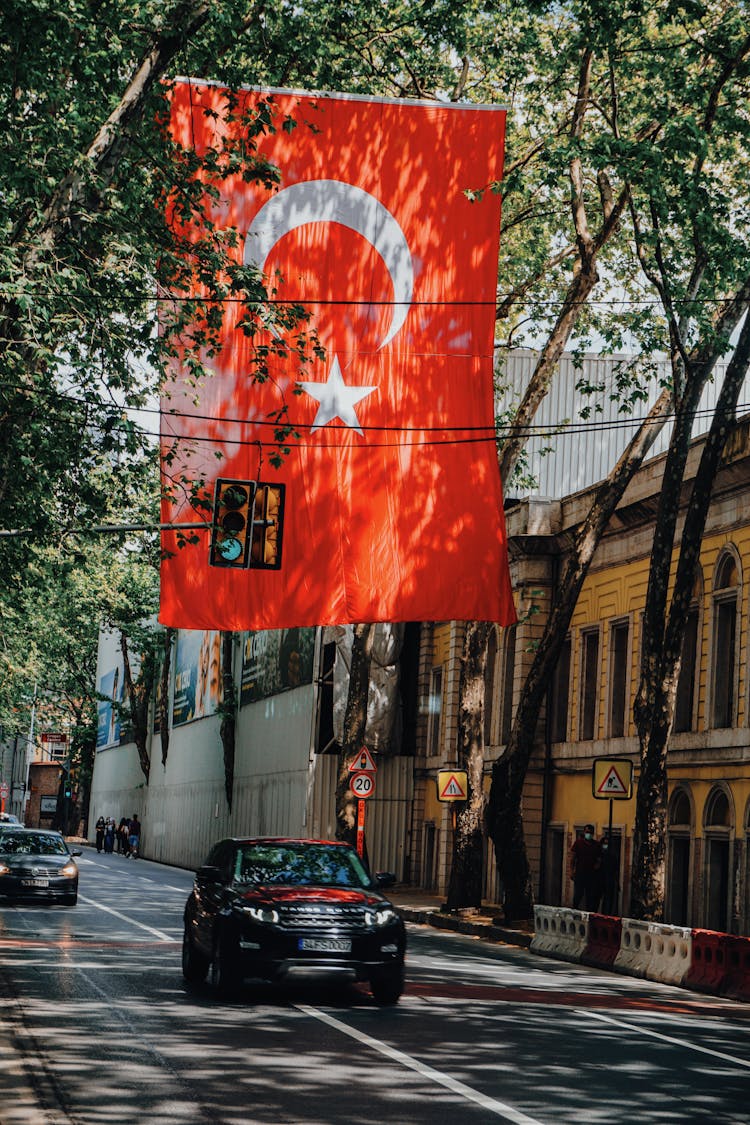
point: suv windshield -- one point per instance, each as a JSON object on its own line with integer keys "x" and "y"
{"x": 291, "y": 865}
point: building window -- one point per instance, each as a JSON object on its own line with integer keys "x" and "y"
{"x": 726, "y": 598}
{"x": 589, "y": 684}
{"x": 489, "y": 686}
{"x": 678, "y": 859}
{"x": 509, "y": 675}
{"x": 717, "y": 829}
{"x": 619, "y": 678}
{"x": 684, "y": 710}
{"x": 560, "y": 694}
{"x": 435, "y": 706}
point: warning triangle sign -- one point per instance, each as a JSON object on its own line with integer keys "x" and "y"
{"x": 363, "y": 763}
{"x": 453, "y": 789}
{"x": 612, "y": 785}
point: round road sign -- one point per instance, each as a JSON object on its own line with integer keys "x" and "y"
{"x": 362, "y": 785}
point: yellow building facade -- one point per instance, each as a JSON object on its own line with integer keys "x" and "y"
{"x": 589, "y": 712}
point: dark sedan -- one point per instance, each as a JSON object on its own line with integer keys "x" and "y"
{"x": 275, "y": 909}
{"x": 35, "y": 863}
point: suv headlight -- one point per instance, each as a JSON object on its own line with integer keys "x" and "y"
{"x": 4, "y": 869}
{"x": 262, "y": 914}
{"x": 69, "y": 869}
{"x": 380, "y": 917}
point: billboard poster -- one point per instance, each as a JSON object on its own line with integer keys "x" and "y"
{"x": 197, "y": 680}
{"x": 276, "y": 660}
{"x": 108, "y": 720}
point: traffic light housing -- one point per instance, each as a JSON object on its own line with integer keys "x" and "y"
{"x": 68, "y": 789}
{"x": 230, "y": 531}
{"x": 246, "y": 530}
{"x": 268, "y": 523}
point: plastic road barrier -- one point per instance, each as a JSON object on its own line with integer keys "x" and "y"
{"x": 671, "y": 953}
{"x": 708, "y": 967}
{"x": 736, "y": 982}
{"x": 560, "y": 932}
{"x": 634, "y": 955}
{"x": 605, "y": 935}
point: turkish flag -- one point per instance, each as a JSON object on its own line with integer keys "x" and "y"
{"x": 393, "y": 505}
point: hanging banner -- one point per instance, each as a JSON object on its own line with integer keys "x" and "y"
{"x": 386, "y": 504}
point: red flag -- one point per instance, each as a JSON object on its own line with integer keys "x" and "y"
{"x": 392, "y": 505}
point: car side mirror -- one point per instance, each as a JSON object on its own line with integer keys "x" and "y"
{"x": 208, "y": 874}
{"x": 385, "y": 878}
{"x": 76, "y": 851}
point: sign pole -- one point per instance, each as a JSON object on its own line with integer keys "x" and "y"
{"x": 609, "y": 830}
{"x": 361, "y": 828}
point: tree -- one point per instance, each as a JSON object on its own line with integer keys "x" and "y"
{"x": 652, "y": 156}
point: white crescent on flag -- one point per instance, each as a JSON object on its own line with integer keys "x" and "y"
{"x": 331, "y": 201}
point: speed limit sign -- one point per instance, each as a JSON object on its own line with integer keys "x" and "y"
{"x": 362, "y": 785}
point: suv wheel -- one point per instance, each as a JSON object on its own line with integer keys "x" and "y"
{"x": 225, "y": 976}
{"x": 194, "y": 964}
{"x": 387, "y": 985}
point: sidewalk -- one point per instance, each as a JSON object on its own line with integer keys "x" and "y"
{"x": 416, "y": 905}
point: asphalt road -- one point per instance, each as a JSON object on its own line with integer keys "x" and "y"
{"x": 97, "y": 1026}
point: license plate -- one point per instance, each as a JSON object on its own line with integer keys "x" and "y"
{"x": 35, "y": 882}
{"x": 326, "y": 945}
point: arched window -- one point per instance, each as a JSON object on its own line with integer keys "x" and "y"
{"x": 489, "y": 686}
{"x": 685, "y": 709}
{"x": 724, "y": 680}
{"x": 717, "y": 829}
{"x": 680, "y": 812}
{"x": 680, "y": 823}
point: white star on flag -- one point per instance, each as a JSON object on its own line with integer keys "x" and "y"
{"x": 336, "y": 399}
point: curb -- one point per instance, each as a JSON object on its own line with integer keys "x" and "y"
{"x": 488, "y": 930}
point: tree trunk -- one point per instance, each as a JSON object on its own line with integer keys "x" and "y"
{"x": 228, "y": 726}
{"x": 139, "y": 695}
{"x": 355, "y": 721}
{"x": 654, "y": 708}
{"x": 166, "y": 671}
{"x": 465, "y": 885}
{"x": 504, "y": 819}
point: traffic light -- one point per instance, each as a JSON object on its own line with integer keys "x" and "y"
{"x": 68, "y": 789}
{"x": 247, "y": 524}
{"x": 230, "y": 532}
{"x": 268, "y": 520}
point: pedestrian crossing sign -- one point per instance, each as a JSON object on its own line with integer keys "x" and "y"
{"x": 612, "y": 779}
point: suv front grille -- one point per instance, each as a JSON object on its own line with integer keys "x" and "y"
{"x": 313, "y": 915}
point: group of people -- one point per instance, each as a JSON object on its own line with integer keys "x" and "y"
{"x": 595, "y": 871}
{"x": 125, "y": 836}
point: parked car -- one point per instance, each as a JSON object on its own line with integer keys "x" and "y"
{"x": 275, "y": 909}
{"x": 9, "y": 818}
{"x": 37, "y": 863}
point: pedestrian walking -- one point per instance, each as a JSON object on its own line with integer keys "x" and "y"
{"x": 109, "y": 835}
{"x": 100, "y": 826}
{"x": 135, "y": 836}
{"x": 585, "y": 864}
{"x": 123, "y": 836}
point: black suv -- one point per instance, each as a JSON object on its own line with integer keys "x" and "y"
{"x": 277, "y": 908}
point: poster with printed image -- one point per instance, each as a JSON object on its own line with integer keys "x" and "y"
{"x": 108, "y": 720}
{"x": 276, "y": 660}
{"x": 197, "y": 681}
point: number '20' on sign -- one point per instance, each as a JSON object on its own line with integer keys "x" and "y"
{"x": 362, "y": 785}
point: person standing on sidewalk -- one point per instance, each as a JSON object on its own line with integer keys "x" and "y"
{"x": 585, "y": 864}
{"x": 100, "y": 826}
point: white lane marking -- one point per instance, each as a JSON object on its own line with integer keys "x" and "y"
{"x": 125, "y": 918}
{"x": 492, "y": 1106}
{"x": 589, "y": 1014}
